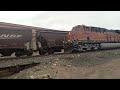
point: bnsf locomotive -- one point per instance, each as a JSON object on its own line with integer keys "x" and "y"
{"x": 83, "y": 38}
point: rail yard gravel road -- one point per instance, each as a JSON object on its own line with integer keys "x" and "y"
{"x": 90, "y": 65}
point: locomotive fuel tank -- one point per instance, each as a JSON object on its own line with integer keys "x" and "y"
{"x": 110, "y": 45}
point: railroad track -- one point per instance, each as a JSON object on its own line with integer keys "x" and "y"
{"x": 11, "y": 65}
{"x": 15, "y": 69}
{"x": 12, "y": 61}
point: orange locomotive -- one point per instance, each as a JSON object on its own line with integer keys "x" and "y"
{"x": 90, "y": 38}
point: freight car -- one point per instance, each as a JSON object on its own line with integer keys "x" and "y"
{"x": 83, "y": 38}
{"x": 24, "y": 41}
{"x": 50, "y": 41}
{"x": 14, "y": 40}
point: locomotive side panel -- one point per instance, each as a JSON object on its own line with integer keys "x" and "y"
{"x": 87, "y": 35}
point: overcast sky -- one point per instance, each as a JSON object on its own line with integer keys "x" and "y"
{"x": 63, "y": 20}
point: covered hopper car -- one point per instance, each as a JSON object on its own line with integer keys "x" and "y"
{"x": 50, "y": 41}
{"x": 24, "y": 41}
{"x": 14, "y": 40}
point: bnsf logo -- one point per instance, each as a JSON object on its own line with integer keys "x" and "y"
{"x": 8, "y": 36}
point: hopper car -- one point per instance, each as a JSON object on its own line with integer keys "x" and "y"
{"x": 25, "y": 41}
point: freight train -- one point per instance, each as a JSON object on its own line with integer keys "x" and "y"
{"x": 83, "y": 38}
{"x": 24, "y": 40}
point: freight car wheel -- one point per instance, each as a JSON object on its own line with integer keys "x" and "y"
{"x": 18, "y": 54}
{"x": 42, "y": 52}
{"x": 51, "y": 51}
{"x": 30, "y": 53}
{"x": 6, "y": 53}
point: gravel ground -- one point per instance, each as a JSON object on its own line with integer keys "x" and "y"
{"x": 91, "y": 65}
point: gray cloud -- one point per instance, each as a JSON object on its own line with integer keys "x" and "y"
{"x": 63, "y": 20}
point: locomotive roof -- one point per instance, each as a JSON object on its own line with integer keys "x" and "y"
{"x": 24, "y": 27}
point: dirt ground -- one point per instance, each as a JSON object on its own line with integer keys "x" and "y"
{"x": 90, "y": 65}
